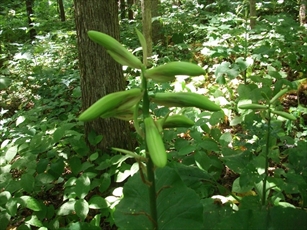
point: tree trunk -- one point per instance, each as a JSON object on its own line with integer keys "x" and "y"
{"x": 252, "y": 13}
{"x": 302, "y": 13}
{"x": 30, "y": 12}
{"x": 62, "y": 11}
{"x": 130, "y": 11}
{"x": 100, "y": 74}
{"x": 156, "y": 25}
{"x": 147, "y": 30}
{"x": 122, "y": 9}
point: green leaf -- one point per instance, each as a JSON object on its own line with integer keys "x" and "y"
{"x": 4, "y": 219}
{"x": 10, "y": 153}
{"x": 27, "y": 182}
{"x": 216, "y": 117}
{"x": 19, "y": 120}
{"x": 34, "y": 221}
{"x": 94, "y": 156}
{"x": 57, "y": 168}
{"x": 187, "y": 150}
{"x": 58, "y": 134}
{"x": 209, "y": 145}
{"x": 81, "y": 208}
{"x": 179, "y": 207}
{"x": 75, "y": 165}
{"x": 142, "y": 41}
{"x": 83, "y": 186}
{"x": 97, "y": 202}
{"x": 42, "y": 165}
{"x": 225, "y": 139}
{"x": 4, "y": 197}
{"x": 30, "y": 203}
{"x": 240, "y": 189}
{"x": 67, "y": 208}
{"x": 105, "y": 182}
{"x": 4, "y": 83}
{"x": 11, "y": 206}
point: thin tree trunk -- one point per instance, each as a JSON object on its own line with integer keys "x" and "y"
{"x": 147, "y": 29}
{"x": 156, "y": 25}
{"x": 122, "y": 9}
{"x": 252, "y": 13}
{"x": 30, "y": 12}
{"x": 62, "y": 11}
{"x": 100, "y": 74}
{"x": 302, "y": 13}
{"x": 130, "y": 11}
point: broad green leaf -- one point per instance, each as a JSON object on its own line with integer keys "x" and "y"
{"x": 67, "y": 208}
{"x": 34, "y": 221}
{"x": 57, "y": 168}
{"x": 4, "y": 219}
{"x": 27, "y": 182}
{"x": 96, "y": 220}
{"x": 275, "y": 218}
{"x": 58, "y": 134}
{"x": 225, "y": 139}
{"x": 94, "y": 156}
{"x": 214, "y": 212}
{"x": 105, "y": 182}
{"x": 237, "y": 188}
{"x": 216, "y": 118}
{"x": 83, "y": 186}
{"x": 4, "y": 197}
{"x": 30, "y": 203}
{"x": 11, "y": 206}
{"x": 209, "y": 145}
{"x": 82, "y": 226}
{"x": 187, "y": 150}
{"x": 97, "y": 202}
{"x": 10, "y": 153}
{"x": 42, "y": 165}
{"x": 195, "y": 178}
{"x": 4, "y": 83}
{"x": 81, "y": 208}
{"x": 75, "y": 165}
{"x": 178, "y": 207}
{"x": 19, "y": 120}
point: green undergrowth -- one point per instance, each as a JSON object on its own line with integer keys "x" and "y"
{"x": 217, "y": 170}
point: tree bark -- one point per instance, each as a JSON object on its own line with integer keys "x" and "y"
{"x": 130, "y": 11}
{"x": 156, "y": 25}
{"x": 62, "y": 11}
{"x": 30, "y": 12}
{"x": 252, "y": 13}
{"x": 100, "y": 74}
{"x": 147, "y": 29}
{"x": 122, "y": 9}
{"x": 302, "y": 12}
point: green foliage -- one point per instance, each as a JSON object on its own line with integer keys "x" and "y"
{"x": 243, "y": 164}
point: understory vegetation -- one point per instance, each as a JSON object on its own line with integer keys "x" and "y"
{"x": 238, "y": 168}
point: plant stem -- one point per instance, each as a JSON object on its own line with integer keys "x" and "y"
{"x": 267, "y": 148}
{"x": 152, "y": 193}
{"x": 150, "y": 165}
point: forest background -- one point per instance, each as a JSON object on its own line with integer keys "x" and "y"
{"x": 243, "y": 167}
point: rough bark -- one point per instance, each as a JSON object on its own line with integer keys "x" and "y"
{"x": 30, "y": 12}
{"x": 100, "y": 74}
